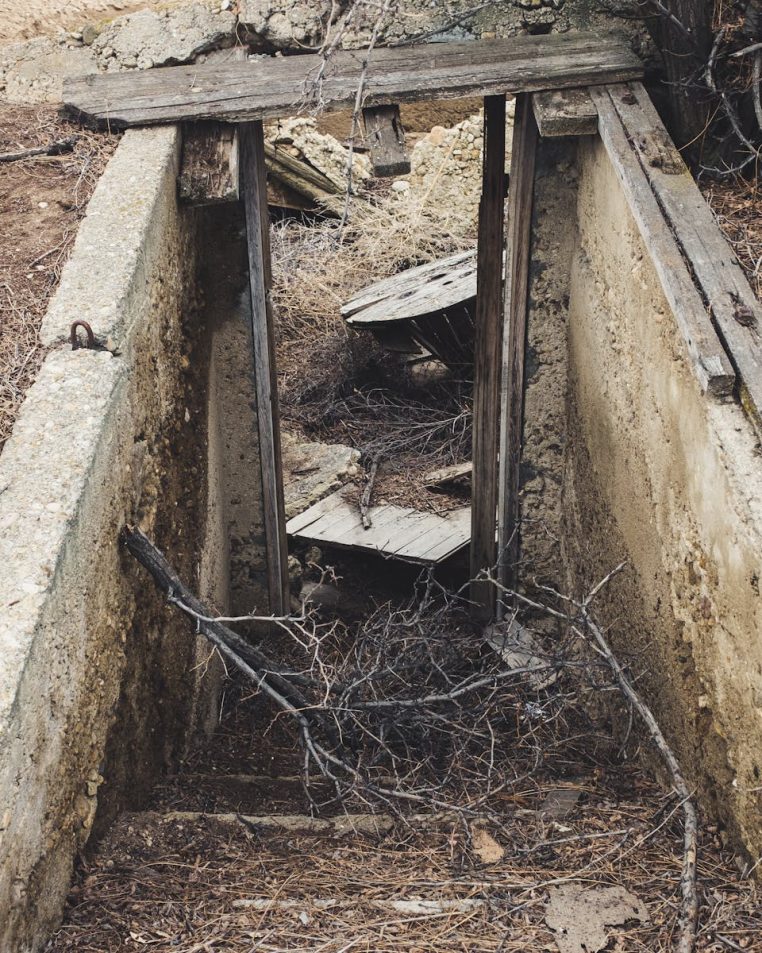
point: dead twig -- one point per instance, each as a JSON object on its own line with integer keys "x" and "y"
{"x": 57, "y": 148}
{"x": 367, "y": 495}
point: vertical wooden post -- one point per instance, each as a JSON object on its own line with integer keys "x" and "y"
{"x": 523, "y": 155}
{"x": 253, "y": 188}
{"x": 489, "y": 325}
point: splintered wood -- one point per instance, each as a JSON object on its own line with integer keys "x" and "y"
{"x": 395, "y": 531}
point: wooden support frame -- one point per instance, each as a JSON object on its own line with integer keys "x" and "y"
{"x": 521, "y": 200}
{"x": 489, "y": 332}
{"x": 253, "y": 188}
{"x": 734, "y": 308}
{"x": 385, "y": 136}
{"x": 565, "y": 112}
{"x": 710, "y": 363}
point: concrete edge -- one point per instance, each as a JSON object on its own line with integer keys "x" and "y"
{"x": 46, "y": 463}
{"x": 106, "y": 272}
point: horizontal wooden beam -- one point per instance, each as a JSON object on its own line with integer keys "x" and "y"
{"x": 385, "y": 136}
{"x": 209, "y": 171}
{"x": 735, "y": 309}
{"x": 287, "y": 85}
{"x": 706, "y": 353}
{"x": 565, "y": 112}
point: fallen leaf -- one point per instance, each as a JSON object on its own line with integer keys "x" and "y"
{"x": 579, "y": 915}
{"x": 485, "y": 846}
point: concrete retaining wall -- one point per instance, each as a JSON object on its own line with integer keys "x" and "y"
{"x": 670, "y": 479}
{"x": 100, "y": 686}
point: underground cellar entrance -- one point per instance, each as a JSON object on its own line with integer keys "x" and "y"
{"x": 463, "y": 792}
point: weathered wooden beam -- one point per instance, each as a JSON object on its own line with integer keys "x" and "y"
{"x": 704, "y": 350}
{"x": 240, "y": 92}
{"x": 209, "y": 172}
{"x": 254, "y": 193}
{"x": 520, "y": 202}
{"x": 489, "y": 333}
{"x": 736, "y": 311}
{"x": 385, "y": 136}
{"x": 565, "y": 112}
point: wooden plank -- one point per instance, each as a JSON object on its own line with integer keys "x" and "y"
{"x": 209, "y": 172}
{"x": 456, "y": 473}
{"x": 259, "y": 89}
{"x": 254, "y": 192}
{"x": 736, "y": 311}
{"x": 457, "y": 537}
{"x": 565, "y": 112}
{"x": 521, "y": 200}
{"x": 385, "y": 136}
{"x": 489, "y": 332}
{"x": 704, "y": 350}
{"x": 396, "y": 532}
{"x": 314, "y": 512}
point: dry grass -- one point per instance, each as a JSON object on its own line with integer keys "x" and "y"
{"x": 42, "y": 201}
{"x": 737, "y": 205}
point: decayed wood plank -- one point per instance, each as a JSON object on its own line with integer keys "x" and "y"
{"x": 254, "y": 192}
{"x": 415, "y": 292}
{"x": 456, "y": 473}
{"x": 385, "y": 136}
{"x": 707, "y": 356}
{"x": 565, "y": 112}
{"x": 315, "y": 512}
{"x": 735, "y": 308}
{"x": 209, "y": 173}
{"x": 521, "y": 200}
{"x": 489, "y": 334}
{"x": 396, "y": 531}
{"x": 281, "y": 86}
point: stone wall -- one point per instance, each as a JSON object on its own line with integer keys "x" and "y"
{"x": 100, "y": 686}
{"x": 669, "y": 479}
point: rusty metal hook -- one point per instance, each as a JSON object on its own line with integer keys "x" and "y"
{"x": 74, "y": 337}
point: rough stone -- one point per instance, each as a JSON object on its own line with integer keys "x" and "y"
{"x": 445, "y": 167}
{"x": 284, "y": 24}
{"x": 33, "y": 72}
{"x": 324, "y": 152}
{"x": 150, "y": 38}
{"x": 313, "y": 470}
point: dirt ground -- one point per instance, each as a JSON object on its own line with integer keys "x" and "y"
{"x": 42, "y": 200}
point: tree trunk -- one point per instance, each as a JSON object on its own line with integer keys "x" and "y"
{"x": 685, "y": 53}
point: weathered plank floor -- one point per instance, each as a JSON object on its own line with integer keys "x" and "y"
{"x": 396, "y": 531}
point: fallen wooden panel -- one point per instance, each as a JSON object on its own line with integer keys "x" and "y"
{"x": 431, "y": 306}
{"x": 735, "y": 308}
{"x": 209, "y": 171}
{"x": 396, "y": 531}
{"x": 705, "y": 351}
{"x": 565, "y": 112}
{"x": 287, "y": 85}
{"x": 385, "y": 136}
